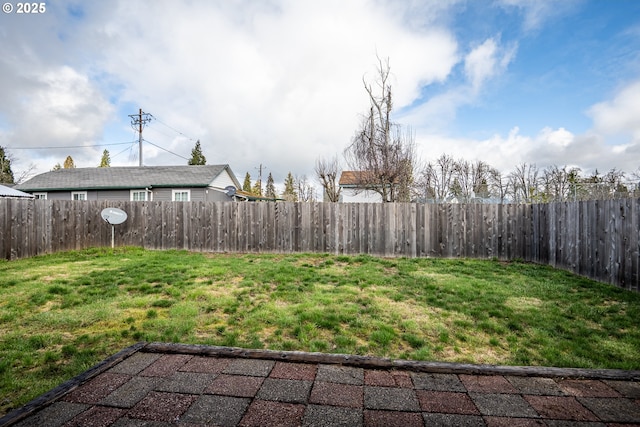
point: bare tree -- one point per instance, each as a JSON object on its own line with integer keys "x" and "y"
{"x": 498, "y": 185}
{"x": 472, "y": 179}
{"x": 7, "y": 176}
{"x": 560, "y": 184}
{"x": 327, "y": 173}
{"x": 615, "y": 178}
{"x": 635, "y": 175}
{"x": 380, "y": 152}
{"x": 607, "y": 186}
{"x": 524, "y": 183}
{"x": 306, "y": 192}
{"x": 25, "y": 174}
{"x": 436, "y": 179}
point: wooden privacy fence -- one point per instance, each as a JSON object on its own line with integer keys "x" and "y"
{"x": 597, "y": 239}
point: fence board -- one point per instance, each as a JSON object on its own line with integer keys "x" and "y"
{"x": 443, "y": 227}
{"x": 480, "y": 232}
{"x": 610, "y": 256}
{"x": 634, "y": 246}
{"x": 5, "y": 229}
{"x": 633, "y": 255}
{"x": 16, "y": 226}
{"x": 535, "y": 233}
{"x": 216, "y": 229}
{"x": 599, "y": 239}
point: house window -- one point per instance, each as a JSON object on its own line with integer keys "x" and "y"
{"x": 139, "y": 195}
{"x": 78, "y": 195}
{"x": 180, "y": 195}
{"x": 42, "y": 196}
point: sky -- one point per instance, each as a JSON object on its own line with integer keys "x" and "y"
{"x": 279, "y": 84}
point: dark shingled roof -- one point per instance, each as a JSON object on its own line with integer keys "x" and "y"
{"x": 124, "y": 177}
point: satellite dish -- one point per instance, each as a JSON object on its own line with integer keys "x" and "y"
{"x": 231, "y": 190}
{"x": 114, "y": 216}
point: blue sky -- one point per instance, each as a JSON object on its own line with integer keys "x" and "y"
{"x": 562, "y": 67}
{"x": 279, "y": 83}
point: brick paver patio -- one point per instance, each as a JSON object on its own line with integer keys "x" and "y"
{"x": 167, "y": 385}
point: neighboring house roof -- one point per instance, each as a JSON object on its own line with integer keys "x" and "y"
{"x": 12, "y": 192}
{"x": 251, "y": 197}
{"x": 126, "y": 177}
{"x": 351, "y": 178}
{"x": 358, "y": 179}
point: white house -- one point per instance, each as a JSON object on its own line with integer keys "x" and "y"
{"x": 351, "y": 191}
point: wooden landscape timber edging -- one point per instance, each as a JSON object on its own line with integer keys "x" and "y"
{"x": 598, "y": 239}
{"x": 370, "y": 362}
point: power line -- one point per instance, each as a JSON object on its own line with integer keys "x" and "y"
{"x": 172, "y": 128}
{"x": 158, "y": 131}
{"x": 128, "y": 148}
{"x": 164, "y": 149}
{"x": 138, "y": 123}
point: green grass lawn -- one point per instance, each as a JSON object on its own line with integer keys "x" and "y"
{"x": 60, "y": 314}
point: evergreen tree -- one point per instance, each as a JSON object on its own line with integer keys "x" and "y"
{"x": 289, "y": 193}
{"x": 456, "y": 188}
{"x": 246, "y": 185}
{"x": 57, "y": 167}
{"x": 68, "y": 163}
{"x": 6, "y": 175}
{"x": 197, "y": 158}
{"x": 270, "y": 191}
{"x": 105, "y": 162}
{"x": 482, "y": 190}
{"x": 257, "y": 188}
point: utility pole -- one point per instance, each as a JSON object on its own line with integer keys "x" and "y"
{"x": 260, "y": 177}
{"x": 260, "y": 174}
{"x": 140, "y": 120}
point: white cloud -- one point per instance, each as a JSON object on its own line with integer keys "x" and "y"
{"x": 539, "y": 12}
{"x": 280, "y": 86}
{"x": 549, "y": 147}
{"x": 620, "y": 114}
{"x": 482, "y": 64}
{"x": 501, "y": 152}
{"x": 56, "y": 107}
{"x": 67, "y": 102}
{"x": 558, "y": 138}
{"x": 486, "y": 61}
{"x": 276, "y": 83}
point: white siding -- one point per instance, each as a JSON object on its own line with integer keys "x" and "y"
{"x": 223, "y": 180}
{"x": 349, "y": 195}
